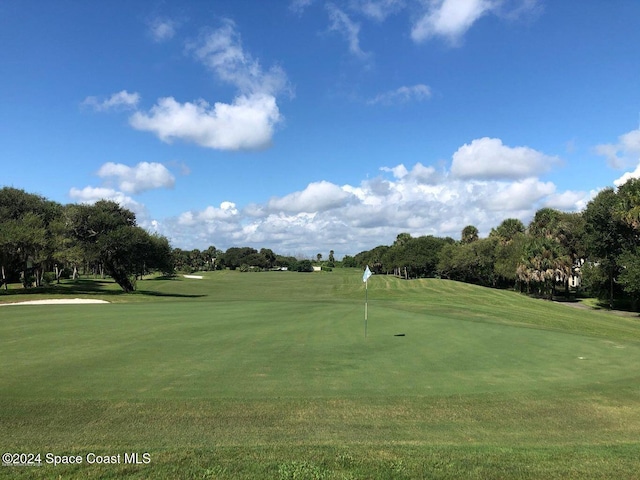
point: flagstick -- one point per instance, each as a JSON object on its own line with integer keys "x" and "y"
{"x": 366, "y": 304}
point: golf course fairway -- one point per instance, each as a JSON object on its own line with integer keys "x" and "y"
{"x": 270, "y": 375}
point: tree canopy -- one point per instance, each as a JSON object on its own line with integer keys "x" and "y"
{"x": 37, "y": 236}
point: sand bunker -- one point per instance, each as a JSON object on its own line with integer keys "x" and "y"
{"x": 56, "y": 301}
{"x": 199, "y": 277}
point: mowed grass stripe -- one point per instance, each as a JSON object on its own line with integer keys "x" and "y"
{"x": 289, "y": 349}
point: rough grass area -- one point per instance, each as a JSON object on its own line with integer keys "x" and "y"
{"x": 269, "y": 375}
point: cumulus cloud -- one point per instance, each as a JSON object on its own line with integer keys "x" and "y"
{"x": 570, "y": 200}
{"x": 417, "y": 198}
{"x": 422, "y": 174}
{"x": 127, "y": 180}
{"x": 143, "y": 176}
{"x": 340, "y": 22}
{"x": 91, "y": 195}
{"x": 518, "y": 195}
{"x": 404, "y": 94}
{"x": 369, "y": 214}
{"x": 488, "y": 158}
{"x": 121, "y": 100}
{"x": 318, "y": 196}
{"x": 623, "y": 153}
{"x": 226, "y": 212}
{"x": 247, "y": 124}
{"x": 627, "y": 176}
{"x": 419, "y": 173}
{"x": 399, "y": 171}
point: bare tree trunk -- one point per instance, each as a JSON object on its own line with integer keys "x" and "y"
{"x": 4, "y": 279}
{"x": 611, "y": 291}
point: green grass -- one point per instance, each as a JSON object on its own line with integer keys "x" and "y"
{"x": 269, "y": 375}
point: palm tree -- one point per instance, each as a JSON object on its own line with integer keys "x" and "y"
{"x": 544, "y": 263}
{"x": 469, "y": 234}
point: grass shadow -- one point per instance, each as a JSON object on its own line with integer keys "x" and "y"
{"x": 70, "y": 287}
{"x": 563, "y": 299}
{"x": 152, "y": 293}
{"x": 90, "y": 287}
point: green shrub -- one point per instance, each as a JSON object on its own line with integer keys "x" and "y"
{"x": 48, "y": 278}
{"x": 304, "y": 266}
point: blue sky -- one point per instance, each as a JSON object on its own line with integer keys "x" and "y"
{"x": 310, "y": 125}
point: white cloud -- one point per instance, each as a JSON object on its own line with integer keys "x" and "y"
{"x": 351, "y": 218}
{"x": 120, "y": 100}
{"x": 404, "y": 94}
{"x": 627, "y": 176}
{"x": 162, "y": 29}
{"x": 488, "y": 158}
{"x": 341, "y": 23}
{"x": 516, "y": 196}
{"x": 318, "y": 196}
{"x": 399, "y": 171}
{"x": 625, "y": 152}
{"x": 144, "y": 176}
{"x": 570, "y": 200}
{"x": 419, "y": 173}
{"x": 226, "y": 212}
{"x": 417, "y": 199}
{"x": 247, "y": 124}
{"x": 422, "y": 174}
{"x": 91, "y": 195}
{"x": 221, "y": 51}
{"x": 378, "y": 10}
{"x": 451, "y": 19}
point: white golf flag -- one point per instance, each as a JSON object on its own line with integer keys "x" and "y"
{"x": 367, "y": 274}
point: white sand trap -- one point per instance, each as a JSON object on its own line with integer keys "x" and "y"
{"x": 56, "y": 301}
{"x": 199, "y": 277}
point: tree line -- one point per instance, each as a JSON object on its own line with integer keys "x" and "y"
{"x": 42, "y": 241}
{"x": 597, "y": 250}
{"x": 238, "y": 258}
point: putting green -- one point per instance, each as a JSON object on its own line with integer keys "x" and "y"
{"x": 289, "y": 349}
